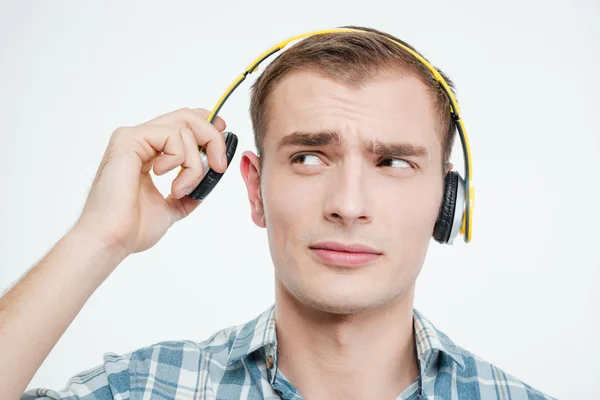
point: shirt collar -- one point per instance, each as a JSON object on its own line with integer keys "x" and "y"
{"x": 254, "y": 335}
{"x": 260, "y": 334}
{"x": 431, "y": 342}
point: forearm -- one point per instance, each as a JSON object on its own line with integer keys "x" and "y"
{"x": 36, "y": 312}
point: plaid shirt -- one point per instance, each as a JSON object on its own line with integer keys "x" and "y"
{"x": 240, "y": 362}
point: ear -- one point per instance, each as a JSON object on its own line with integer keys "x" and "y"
{"x": 449, "y": 167}
{"x": 250, "y": 168}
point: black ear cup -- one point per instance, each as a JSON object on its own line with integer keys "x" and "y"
{"x": 443, "y": 225}
{"x": 212, "y": 177}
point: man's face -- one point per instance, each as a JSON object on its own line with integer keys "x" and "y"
{"x": 345, "y": 167}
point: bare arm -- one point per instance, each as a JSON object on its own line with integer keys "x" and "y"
{"x": 124, "y": 213}
{"x": 36, "y": 312}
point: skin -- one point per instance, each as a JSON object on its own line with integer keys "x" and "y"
{"x": 347, "y": 332}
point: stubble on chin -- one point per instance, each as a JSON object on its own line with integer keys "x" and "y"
{"x": 303, "y": 291}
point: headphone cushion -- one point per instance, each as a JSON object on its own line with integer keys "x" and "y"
{"x": 443, "y": 225}
{"x": 212, "y": 177}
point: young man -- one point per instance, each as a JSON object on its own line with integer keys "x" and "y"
{"x": 353, "y": 140}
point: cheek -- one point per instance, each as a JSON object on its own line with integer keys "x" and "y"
{"x": 412, "y": 207}
{"x": 289, "y": 205}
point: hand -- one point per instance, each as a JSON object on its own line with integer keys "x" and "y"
{"x": 124, "y": 209}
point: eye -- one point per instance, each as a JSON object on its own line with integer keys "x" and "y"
{"x": 306, "y": 159}
{"x": 395, "y": 163}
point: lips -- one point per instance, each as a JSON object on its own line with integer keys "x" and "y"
{"x": 345, "y": 255}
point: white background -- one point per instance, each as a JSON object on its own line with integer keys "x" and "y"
{"x": 522, "y": 295}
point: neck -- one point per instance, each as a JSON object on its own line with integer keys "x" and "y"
{"x": 353, "y": 356}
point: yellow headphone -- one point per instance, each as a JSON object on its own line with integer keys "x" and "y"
{"x": 456, "y": 211}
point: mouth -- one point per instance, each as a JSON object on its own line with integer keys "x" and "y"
{"x": 345, "y": 255}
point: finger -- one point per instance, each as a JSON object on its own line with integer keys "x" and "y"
{"x": 218, "y": 122}
{"x": 191, "y": 174}
{"x": 206, "y": 134}
{"x": 174, "y": 116}
{"x": 154, "y": 140}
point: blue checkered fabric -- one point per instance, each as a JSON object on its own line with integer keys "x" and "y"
{"x": 240, "y": 362}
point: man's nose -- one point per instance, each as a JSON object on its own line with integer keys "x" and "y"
{"x": 347, "y": 196}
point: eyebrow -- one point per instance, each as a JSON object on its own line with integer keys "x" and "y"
{"x": 392, "y": 150}
{"x": 322, "y": 138}
{"x": 326, "y": 138}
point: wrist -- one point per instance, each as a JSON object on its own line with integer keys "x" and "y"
{"x": 100, "y": 256}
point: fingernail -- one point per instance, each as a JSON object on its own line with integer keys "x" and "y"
{"x": 186, "y": 190}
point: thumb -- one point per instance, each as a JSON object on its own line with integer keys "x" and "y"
{"x": 181, "y": 208}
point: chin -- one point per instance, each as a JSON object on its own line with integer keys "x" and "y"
{"x": 336, "y": 293}
{"x": 341, "y": 306}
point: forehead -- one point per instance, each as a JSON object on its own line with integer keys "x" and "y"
{"x": 388, "y": 107}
